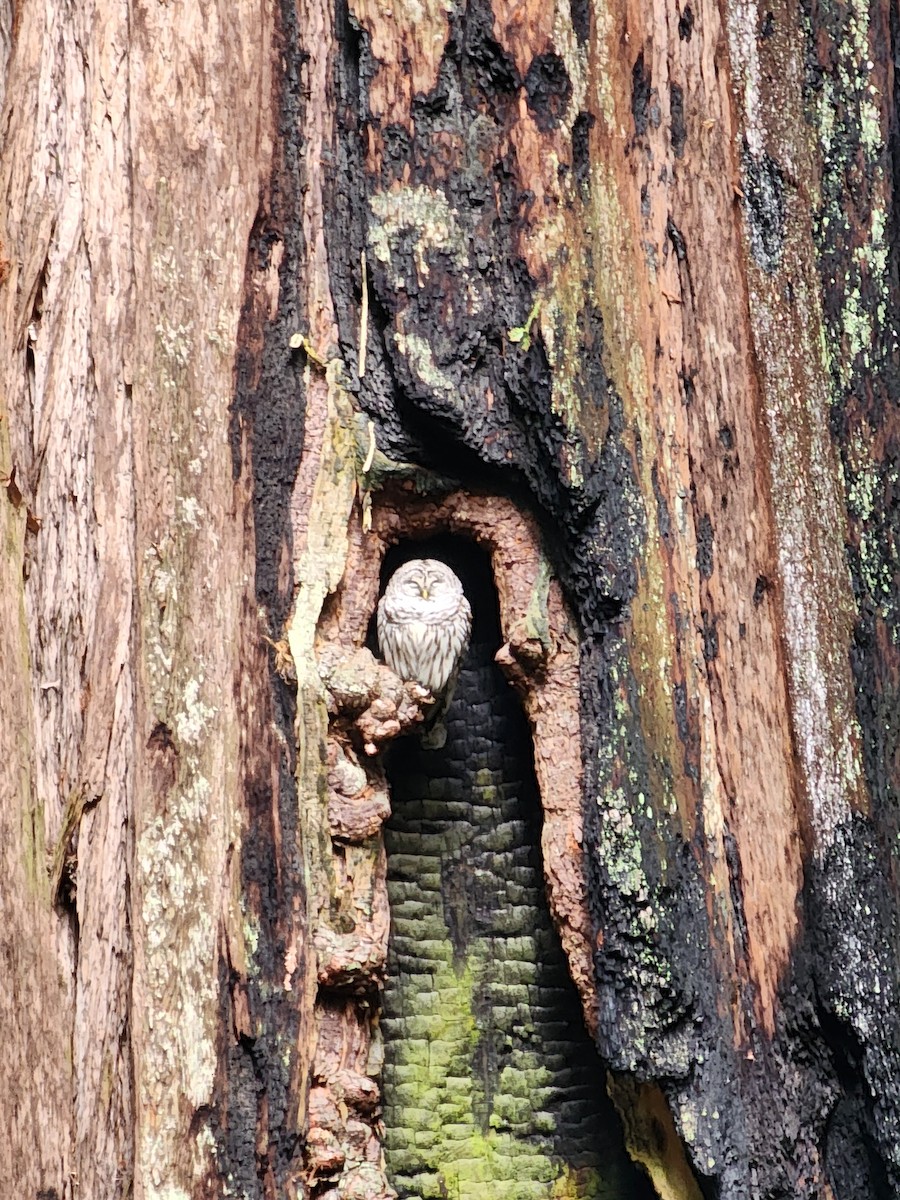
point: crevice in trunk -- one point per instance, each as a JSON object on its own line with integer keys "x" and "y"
{"x": 491, "y": 1081}
{"x": 475, "y": 1020}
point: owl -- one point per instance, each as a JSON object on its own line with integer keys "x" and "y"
{"x": 424, "y": 621}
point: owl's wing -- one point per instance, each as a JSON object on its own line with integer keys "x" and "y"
{"x": 457, "y": 631}
{"x": 390, "y": 637}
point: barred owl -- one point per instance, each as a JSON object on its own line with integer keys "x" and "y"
{"x": 424, "y": 621}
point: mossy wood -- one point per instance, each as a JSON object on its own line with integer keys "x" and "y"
{"x": 607, "y": 294}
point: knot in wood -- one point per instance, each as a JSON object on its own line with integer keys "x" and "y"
{"x": 522, "y": 659}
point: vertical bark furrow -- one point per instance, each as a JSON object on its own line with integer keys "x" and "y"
{"x": 66, "y": 275}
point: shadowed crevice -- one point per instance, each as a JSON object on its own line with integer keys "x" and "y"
{"x": 491, "y": 1081}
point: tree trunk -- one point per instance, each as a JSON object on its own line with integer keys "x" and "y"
{"x": 598, "y": 304}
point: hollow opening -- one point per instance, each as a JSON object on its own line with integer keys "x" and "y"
{"x": 491, "y": 1083}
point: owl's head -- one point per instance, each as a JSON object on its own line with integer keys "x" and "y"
{"x": 425, "y": 579}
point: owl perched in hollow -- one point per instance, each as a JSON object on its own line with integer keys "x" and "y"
{"x": 424, "y": 621}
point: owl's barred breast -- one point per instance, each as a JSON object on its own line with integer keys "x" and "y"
{"x": 408, "y": 649}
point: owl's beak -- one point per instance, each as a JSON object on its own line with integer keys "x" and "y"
{"x": 424, "y": 592}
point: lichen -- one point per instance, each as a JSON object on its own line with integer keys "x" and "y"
{"x": 742, "y": 17}
{"x": 420, "y": 356}
{"x": 851, "y": 125}
{"x": 426, "y": 214}
{"x": 858, "y": 335}
{"x": 537, "y": 620}
{"x": 437, "y": 1102}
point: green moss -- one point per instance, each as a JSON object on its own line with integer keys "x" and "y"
{"x": 453, "y": 1127}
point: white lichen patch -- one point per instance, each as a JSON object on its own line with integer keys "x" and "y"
{"x": 205, "y": 1150}
{"x": 607, "y": 40}
{"x": 427, "y": 213}
{"x": 619, "y": 844}
{"x": 178, "y": 923}
{"x": 191, "y": 511}
{"x": 742, "y": 20}
{"x": 193, "y": 718}
{"x": 573, "y": 54}
{"x": 422, "y": 218}
{"x": 160, "y": 626}
{"x": 175, "y": 340}
{"x": 166, "y": 270}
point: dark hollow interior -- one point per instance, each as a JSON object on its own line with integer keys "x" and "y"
{"x": 492, "y": 1086}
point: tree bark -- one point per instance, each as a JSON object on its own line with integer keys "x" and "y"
{"x": 600, "y": 301}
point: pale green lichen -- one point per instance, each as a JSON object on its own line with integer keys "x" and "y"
{"x": 624, "y": 805}
{"x": 854, "y": 141}
{"x": 537, "y": 616}
{"x": 866, "y": 487}
{"x": 842, "y": 129}
{"x": 560, "y": 333}
{"x": 424, "y": 212}
{"x": 249, "y": 930}
{"x": 420, "y": 357}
